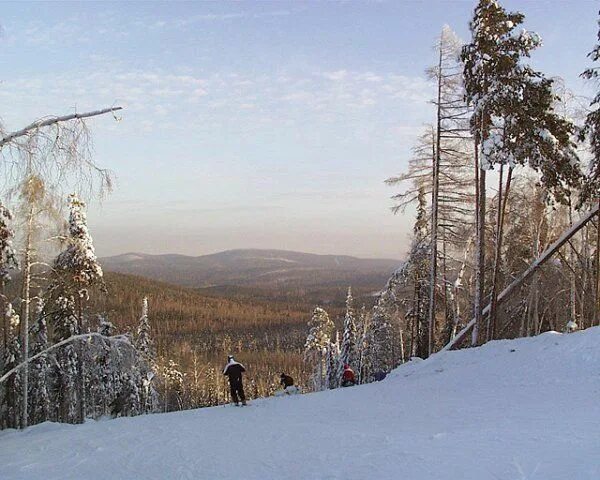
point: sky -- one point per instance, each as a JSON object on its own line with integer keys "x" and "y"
{"x": 252, "y": 124}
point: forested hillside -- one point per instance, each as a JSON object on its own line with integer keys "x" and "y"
{"x": 272, "y": 273}
{"x": 198, "y": 331}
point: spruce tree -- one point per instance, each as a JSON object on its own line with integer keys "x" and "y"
{"x": 591, "y": 128}
{"x": 147, "y": 362}
{"x": 349, "y": 348}
{"x": 513, "y": 120}
{"x": 12, "y": 387}
{"x": 39, "y": 392}
{"x": 332, "y": 362}
{"x": 315, "y": 347}
{"x": 8, "y": 262}
{"x": 75, "y": 271}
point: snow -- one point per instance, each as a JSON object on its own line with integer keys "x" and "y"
{"x": 521, "y": 409}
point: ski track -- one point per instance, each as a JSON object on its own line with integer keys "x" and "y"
{"x": 475, "y": 414}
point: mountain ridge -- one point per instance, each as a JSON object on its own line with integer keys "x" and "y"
{"x": 266, "y": 268}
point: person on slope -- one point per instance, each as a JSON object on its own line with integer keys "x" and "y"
{"x": 286, "y": 381}
{"x": 348, "y": 377}
{"x": 233, "y": 370}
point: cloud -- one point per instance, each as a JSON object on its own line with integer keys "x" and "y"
{"x": 363, "y": 104}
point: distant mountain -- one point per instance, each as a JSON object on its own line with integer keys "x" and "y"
{"x": 272, "y": 269}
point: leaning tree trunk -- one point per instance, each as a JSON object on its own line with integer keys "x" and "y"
{"x": 531, "y": 270}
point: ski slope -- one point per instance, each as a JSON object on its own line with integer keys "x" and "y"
{"x": 521, "y": 409}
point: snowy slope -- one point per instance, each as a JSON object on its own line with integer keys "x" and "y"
{"x": 523, "y": 409}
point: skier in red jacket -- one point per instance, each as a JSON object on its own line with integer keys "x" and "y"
{"x": 348, "y": 377}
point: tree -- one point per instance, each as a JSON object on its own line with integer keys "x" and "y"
{"x": 75, "y": 271}
{"x": 591, "y": 132}
{"x": 349, "y": 347}
{"x": 145, "y": 346}
{"x": 8, "y": 261}
{"x": 441, "y": 166}
{"x": 513, "y": 122}
{"x": 35, "y": 203}
{"x": 332, "y": 363}
{"x": 13, "y": 387}
{"x": 415, "y": 272}
{"x": 39, "y": 394}
{"x": 591, "y": 129}
{"x": 316, "y": 345}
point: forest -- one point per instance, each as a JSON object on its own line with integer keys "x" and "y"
{"x": 504, "y": 183}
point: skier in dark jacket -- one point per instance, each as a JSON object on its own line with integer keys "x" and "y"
{"x": 286, "y": 381}
{"x": 234, "y": 371}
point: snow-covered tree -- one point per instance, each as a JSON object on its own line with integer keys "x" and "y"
{"x": 144, "y": 342}
{"x": 513, "y": 120}
{"x": 64, "y": 324}
{"x": 364, "y": 340}
{"x": 8, "y": 259}
{"x": 315, "y": 347}
{"x": 415, "y": 273}
{"x": 349, "y": 347}
{"x": 39, "y": 382}
{"x": 147, "y": 365}
{"x": 591, "y": 129}
{"x": 332, "y": 363}
{"x": 174, "y": 385}
{"x": 442, "y": 167}
{"x": 75, "y": 271}
{"x": 13, "y": 387}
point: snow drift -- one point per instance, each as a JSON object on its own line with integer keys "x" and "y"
{"x": 521, "y": 409}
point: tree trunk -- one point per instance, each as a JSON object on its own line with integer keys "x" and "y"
{"x": 25, "y": 307}
{"x": 434, "y": 212}
{"x": 502, "y": 202}
{"x": 597, "y": 306}
{"x": 480, "y": 256}
{"x": 572, "y": 279}
{"x": 80, "y": 366}
{"x": 531, "y": 270}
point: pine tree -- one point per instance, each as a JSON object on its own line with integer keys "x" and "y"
{"x": 442, "y": 167}
{"x": 315, "y": 347}
{"x": 349, "y": 348}
{"x": 39, "y": 394}
{"x": 75, "y": 271}
{"x": 513, "y": 121}
{"x": 363, "y": 346}
{"x": 147, "y": 365}
{"x": 8, "y": 261}
{"x": 13, "y": 387}
{"x": 591, "y": 128}
{"x": 104, "y": 377}
{"x": 332, "y": 362}
{"x": 415, "y": 272}
{"x": 65, "y": 372}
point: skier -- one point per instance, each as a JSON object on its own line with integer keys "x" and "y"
{"x": 286, "y": 381}
{"x": 348, "y": 377}
{"x": 234, "y": 371}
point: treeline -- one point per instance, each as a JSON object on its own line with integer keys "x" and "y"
{"x": 59, "y": 360}
{"x": 196, "y": 332}
{"x": 516, "y": 258}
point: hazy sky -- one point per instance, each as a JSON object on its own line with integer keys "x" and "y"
{"x": 265, "y": 125}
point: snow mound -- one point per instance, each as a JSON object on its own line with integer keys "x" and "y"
{"x": 521, "y": 409}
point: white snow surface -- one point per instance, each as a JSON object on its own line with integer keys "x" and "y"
{"x": 514, "y": 410}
